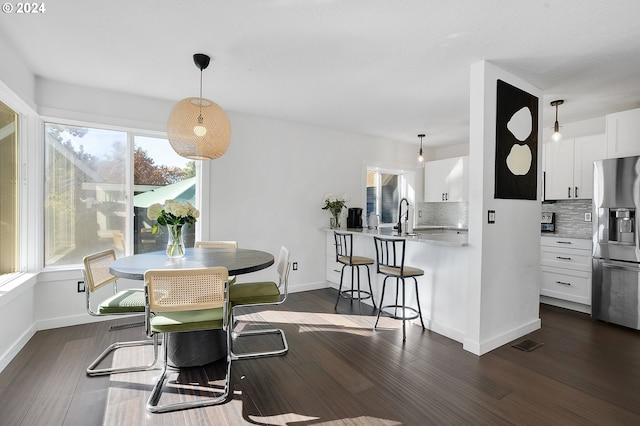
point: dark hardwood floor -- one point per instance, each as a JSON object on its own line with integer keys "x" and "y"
{"x": 340, "y": 372}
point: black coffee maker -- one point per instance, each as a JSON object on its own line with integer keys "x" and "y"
{"x": 354, "y": 217}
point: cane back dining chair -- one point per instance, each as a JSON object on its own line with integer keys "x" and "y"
{"x": 125, "y": 302}
{"x": 344, "y": 255}
{"x": 261, "y": 294}
{"x": 184, "y": 300}
{"x": 218, "y": 244}
{"x": 390, "y": 257}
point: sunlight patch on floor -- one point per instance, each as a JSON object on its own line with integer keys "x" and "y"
{"x": 287, "y": 419}
{"x": 282, "y": 419}
{"x": 361, "y": 325}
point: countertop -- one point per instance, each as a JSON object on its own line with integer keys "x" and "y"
{"x": 563, "y": 235}
{"x": 442, "y": 235}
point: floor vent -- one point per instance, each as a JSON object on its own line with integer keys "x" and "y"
{"x": 126, "y": 325}
{"x": 528, "y": 345}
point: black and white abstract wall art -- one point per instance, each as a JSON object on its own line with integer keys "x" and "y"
{"x": 516, "y": 174}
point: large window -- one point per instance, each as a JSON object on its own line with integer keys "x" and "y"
{"x": 98, "y": 185}
{"x": 8, "y": 190}
{"x": 385, "y": 189}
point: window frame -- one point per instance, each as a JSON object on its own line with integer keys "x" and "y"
{"x": 28, "y": 200}
{"x": 406, "y": 178}
{"x": 202, "y": 172}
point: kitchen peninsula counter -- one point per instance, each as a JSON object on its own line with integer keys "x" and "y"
{"x": 431, "y": 235}
{"x": 443, "y": 254}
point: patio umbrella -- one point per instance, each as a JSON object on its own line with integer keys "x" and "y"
{"x": 180, "y": 191}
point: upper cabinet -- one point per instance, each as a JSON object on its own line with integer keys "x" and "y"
{"x": 623, "y": 134}
{"x": 446, "y": 180}
{"x": 569, "y": 167}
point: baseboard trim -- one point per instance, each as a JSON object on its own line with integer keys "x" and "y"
{"x": 8, "y": 356}
{"x": 502, "y": 339}
{"x": 585, "y": 309}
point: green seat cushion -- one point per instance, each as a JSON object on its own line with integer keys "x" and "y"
{"x": 253, "y": 293}
{"x": 203, "y": 319}
{"x": 126, "y": 301}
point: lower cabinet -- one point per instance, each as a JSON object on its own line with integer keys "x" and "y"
{"x": 565, "y": 278}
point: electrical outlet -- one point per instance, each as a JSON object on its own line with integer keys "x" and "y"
{"x": 81, "y": 287}
{"x": 295, "y": 266}
{"x": 419, "y": 213}
{"x": 587, "y": 217}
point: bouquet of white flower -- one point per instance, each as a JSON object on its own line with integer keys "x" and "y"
{"x": 172, "y": 213}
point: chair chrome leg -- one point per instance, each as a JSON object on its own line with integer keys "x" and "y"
{"x": 247, "y": 355}
{"x": 156, "y": 393}
{"x": 235, "y": 335}
{"x": 93, "y": 371}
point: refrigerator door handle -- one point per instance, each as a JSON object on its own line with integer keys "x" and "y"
{"x": 618, "y": 265}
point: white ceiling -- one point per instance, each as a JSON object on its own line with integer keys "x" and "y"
{"x": 378, "y": 67}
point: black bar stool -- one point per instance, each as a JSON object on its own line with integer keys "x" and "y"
{"x": 344, "y": 255}
{"x": 390, "y": 253}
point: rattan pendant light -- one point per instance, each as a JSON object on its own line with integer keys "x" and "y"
{"x": 197, "y": 127}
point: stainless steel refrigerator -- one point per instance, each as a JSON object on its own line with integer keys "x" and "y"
{"x": 615, "y": 288}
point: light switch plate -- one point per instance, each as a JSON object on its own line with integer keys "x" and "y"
{"x": 587, "y": 217}
{"x": 491, "y": 216}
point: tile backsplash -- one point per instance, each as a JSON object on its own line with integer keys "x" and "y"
{"x": 569, "y": 217}
{"x": 443, "y": 214}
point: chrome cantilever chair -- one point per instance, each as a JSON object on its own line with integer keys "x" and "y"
{"x": 218, "y": 244}
{"x": 390, "y": 256}
{"x": 344, "y": 255}
{"x": 126, "y": 302}
{"x": 261, "y": 294}
{"x": 181, "y": 300}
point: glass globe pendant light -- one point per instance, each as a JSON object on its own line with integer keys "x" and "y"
{"x": 198, "y": 128}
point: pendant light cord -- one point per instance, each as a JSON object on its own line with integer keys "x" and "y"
{"x": 200, "y": 119}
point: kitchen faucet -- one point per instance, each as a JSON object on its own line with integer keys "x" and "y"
{"x": 400, "y": 214}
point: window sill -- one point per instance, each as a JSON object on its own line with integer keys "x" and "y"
{"x": 12, "y": 285}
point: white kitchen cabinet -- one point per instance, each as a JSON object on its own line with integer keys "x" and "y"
{"x": 569, "y": 167}
{"x": 623, "y": 134}
{"x": 565, "y": 266}
{"x": 446, "y": 180}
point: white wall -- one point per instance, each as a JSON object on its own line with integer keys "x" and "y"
{"x": 15, "y": 75}
{"x": 592, "y": 126}
{"x": 504, "y": 258}
{"x": 267, "y": 190}
{"x": 16, "y": 315}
